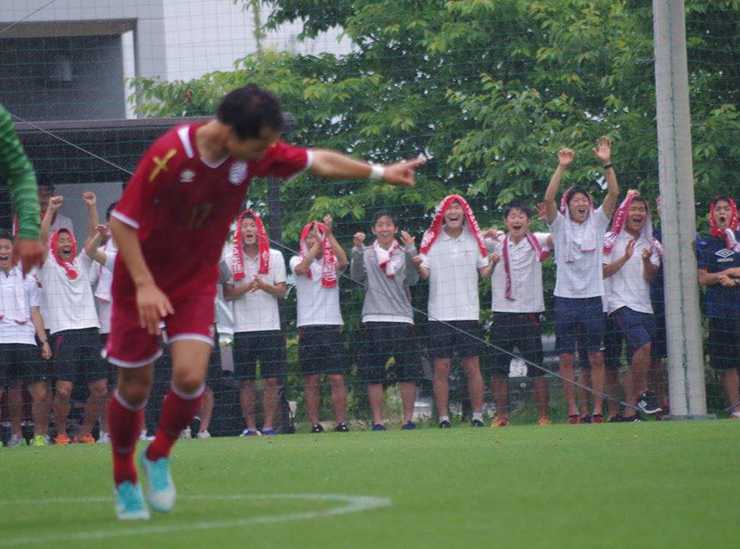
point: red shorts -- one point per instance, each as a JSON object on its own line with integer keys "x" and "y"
{"x": 131, "y": 346}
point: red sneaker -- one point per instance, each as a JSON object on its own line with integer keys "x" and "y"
{"x": 597, "y": 418}
{"x": 574, "y": 419}
{"x": 61, "y": 440}
{"x": 500, "y": 422}
{"x": 89, "y": 439}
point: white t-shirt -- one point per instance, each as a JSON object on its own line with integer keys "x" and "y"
{"x": 17, "y": 296}
{"x": 317, "y": 305}
{"x": 453, "y": 265}
{"x": 582, "y": 277}
{"x": 257, "y": 311}
{"x": 628, "y": 287}
{"x": 526, "y": 276}
{"x": 101, "y": 278}
{"x": 67, "y": 304}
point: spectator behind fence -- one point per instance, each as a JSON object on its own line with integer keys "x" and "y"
{"x": 719, "y": 270}
{"x": 73, "y": 321}
{"x": 577, "y": 230}
{"x": 317, "y": 268}
{"x": 20, "y": 358}
{"x": 256, "y": 282}
{"x": 387, "y": 270}
{"x": 631, "y": 259}
{"x": 517, "y": 303}
{"x": 453, "y": 254}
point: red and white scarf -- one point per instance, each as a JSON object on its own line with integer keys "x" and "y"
{"x": 389, "y": 260}
{"x": 18, "y": 308}
{"x": 69, "y": 267}
{"x": 728, "y": 235}
{"x": 541, "y": 255}
{"x": 328, "y": 260}
{"x": 620, "y": 220}
{"x": 436, "y": 227}
{"x": 237, "y": 257}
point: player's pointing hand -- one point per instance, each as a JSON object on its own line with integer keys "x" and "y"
{"x": 403, "y": 173}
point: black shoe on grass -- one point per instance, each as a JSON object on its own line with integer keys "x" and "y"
{"x": 341, "y": 428}
{"x": 477, "y": 423}
{"x": 317, "y": 428}
{"x": 445, "y": 424}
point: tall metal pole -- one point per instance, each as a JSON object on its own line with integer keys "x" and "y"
{"x": 683, "y": 321}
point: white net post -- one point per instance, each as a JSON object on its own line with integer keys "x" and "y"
{"x": 683, "y": 321}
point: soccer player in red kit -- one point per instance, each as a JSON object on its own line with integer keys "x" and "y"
{"x": 169, "y": 226}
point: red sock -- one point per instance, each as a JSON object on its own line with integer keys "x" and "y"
{"x": 178, "y": 410}
{"x": 125, "y": 426}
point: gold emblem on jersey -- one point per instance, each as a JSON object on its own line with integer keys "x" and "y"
{"x": 161, "y": 164}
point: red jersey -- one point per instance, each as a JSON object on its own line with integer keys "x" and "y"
{"x": 182, "y": 207}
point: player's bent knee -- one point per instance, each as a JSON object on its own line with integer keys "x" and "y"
{"x": 188, "y": 382}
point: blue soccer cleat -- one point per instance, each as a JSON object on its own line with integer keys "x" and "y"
{"x": 160, "y": 488}
{"x": 130, "y": 502}
{"x": 268, "y": 432}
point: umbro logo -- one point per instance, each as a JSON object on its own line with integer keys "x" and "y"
{"x": 238, "y": 173}
{"x": 724, "y": 253}
{"x": 187, "y": 176}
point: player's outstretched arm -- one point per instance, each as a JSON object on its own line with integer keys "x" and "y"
{"x": 335, "y": 165}
{"x": 151, "y": 302}
{"x": 565, "y": 157}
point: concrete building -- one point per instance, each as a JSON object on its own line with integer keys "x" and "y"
{"x": 72, "y": 59}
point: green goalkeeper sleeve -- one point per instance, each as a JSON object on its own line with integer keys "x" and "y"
{"x": 15, "y": 167}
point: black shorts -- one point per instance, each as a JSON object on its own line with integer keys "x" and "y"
{"x": 383, "y": 340}
{"x": 77, "y": 356}
{"x": 578, "y": 321}
{"x": 321, "y": 350}
{"x": 20, "y": 361}
{"x": 724, "y": 343}
{"x": 267, "y": 347}
{"x": 460, "y": 338}
{"x": 521, "y": 331}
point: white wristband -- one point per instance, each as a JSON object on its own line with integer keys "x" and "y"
{"x": 376, "y": 172}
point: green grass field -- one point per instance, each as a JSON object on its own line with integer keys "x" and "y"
{"x": 650, "y": 485}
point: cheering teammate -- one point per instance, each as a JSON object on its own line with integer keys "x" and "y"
{"x": 169, "y": 226}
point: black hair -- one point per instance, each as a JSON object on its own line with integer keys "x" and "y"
{"x": 7, "y": 235}
{"x": 641, "y": 199}
{"x": 576, "y": 190}
{"x": 249, "y": 109}
{"x": 721, "y": 198}
{"x": 517, "y": 204}
{"x": 110, "y": 210}
{"x": 385, "y": 212}
{"x": 248, "y": 215}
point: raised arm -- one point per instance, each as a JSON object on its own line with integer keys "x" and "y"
{"x": 92, "y": 246}
{"x": 603, "y": 153}
{"x": 18, "y": 172}
{"x": 91, "y": 203}
{"x": 151, "y": 302}
{"x": 335, "y": 165}
{"x": 565, "y": 157}
{"x": 409, "y": 249}
{"x": 305, "y": 263}
{"x": 55, "y": 202}
{"x": 335, "y": 246}
{"x": 357, "y": 267}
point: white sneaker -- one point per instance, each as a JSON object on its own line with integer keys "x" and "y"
{"x": 204, "y": 434}
{"x": 144, "y": 436}
{"x": 186, "y": 433}
{"x": 103, "y": 438}
{"x": 15, "y": 440}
